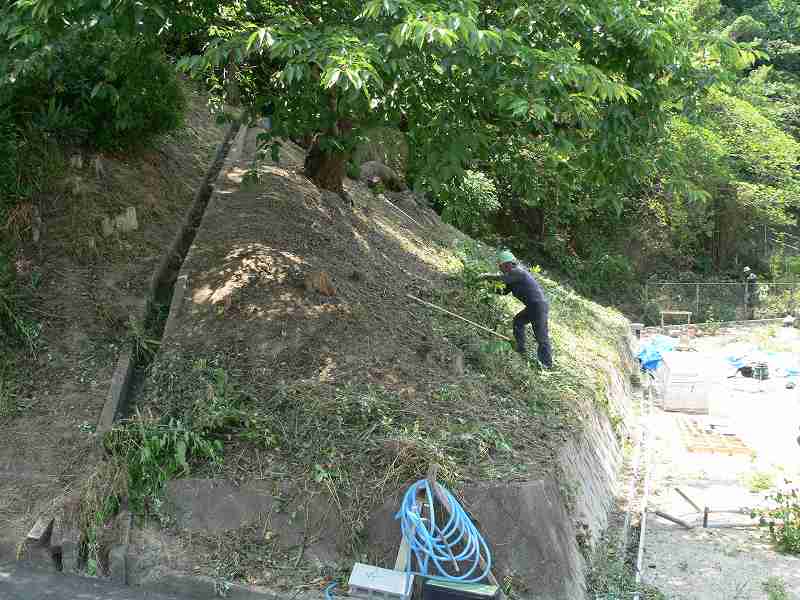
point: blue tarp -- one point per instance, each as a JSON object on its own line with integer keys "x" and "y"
{"x": 650, "y": 354}
{"x": 781, "y": 364}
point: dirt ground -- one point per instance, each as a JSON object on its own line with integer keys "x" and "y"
{"x": 84, "y": 287}
{"x": 724, "y": 562}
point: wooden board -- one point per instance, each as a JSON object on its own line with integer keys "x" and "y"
{"x": 698, "y": 439}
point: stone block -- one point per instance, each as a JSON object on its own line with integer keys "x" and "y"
{"x": 531, "y": 536}
{"x": 118, "y": 564}
{"x": 70, "y": 558}
{"x": 41, "y": 531}
{"x": 457, "y": 365}
{"x": 215, "y": 506}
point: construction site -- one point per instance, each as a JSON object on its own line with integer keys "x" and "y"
{"x": 720, "y": 424}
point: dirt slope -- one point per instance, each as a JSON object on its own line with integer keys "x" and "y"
{"x": 85, "y": 285}
{"x": 338, "y": 401}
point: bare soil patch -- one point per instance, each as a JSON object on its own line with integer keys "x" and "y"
{"x": 85, "y": 286}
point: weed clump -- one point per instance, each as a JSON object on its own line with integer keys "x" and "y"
{"x": 782, "y": 518}
{"x": 155, "y": 449}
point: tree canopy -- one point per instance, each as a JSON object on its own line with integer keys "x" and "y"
{"x": 463, "y": 77}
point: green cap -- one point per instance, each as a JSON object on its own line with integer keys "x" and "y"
{"x": 505, "y": 256}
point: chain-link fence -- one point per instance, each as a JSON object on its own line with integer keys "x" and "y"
{"x": 718, "y": 301}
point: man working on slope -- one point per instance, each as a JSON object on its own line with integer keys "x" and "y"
{"x": 527, "y": 290}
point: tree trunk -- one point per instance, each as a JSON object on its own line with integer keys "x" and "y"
{"x": 326, "y": 169}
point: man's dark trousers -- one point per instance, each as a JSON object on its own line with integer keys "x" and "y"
{"x": 535, "y": 314}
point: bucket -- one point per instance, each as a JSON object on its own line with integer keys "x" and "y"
{"x": 760, "y": 371}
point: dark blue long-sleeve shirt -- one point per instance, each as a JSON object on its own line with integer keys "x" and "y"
{"x": 523, "y": 286}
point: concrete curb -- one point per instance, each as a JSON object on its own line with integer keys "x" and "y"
{"x": 201, "y": 587}
{"x": 118, "y": 556}
{"x": 182, "y": 280}
{"x": 176, "y": 305}
{"x": 164, "y": 276}
{"x": 119, "y": 392}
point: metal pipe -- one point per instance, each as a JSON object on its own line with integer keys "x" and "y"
{"x": 689, "y": 500}
{"x": 637, "y": 459}
{"x": 645, "y": 498}
{"x": 675, "y": 520}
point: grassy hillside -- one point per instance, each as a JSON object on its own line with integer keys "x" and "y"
{"x": 342, "y": 400}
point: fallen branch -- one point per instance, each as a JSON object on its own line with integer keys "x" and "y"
{"x": 452, "y": 314}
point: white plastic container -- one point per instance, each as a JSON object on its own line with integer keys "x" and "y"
{"x": 687, "y": 382}
{"x": 367, "y": 581}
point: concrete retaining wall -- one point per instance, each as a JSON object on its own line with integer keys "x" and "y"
{"x": 533, "y": 527}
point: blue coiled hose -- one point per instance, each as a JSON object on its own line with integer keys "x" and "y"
{"x": 432, "y": 543}
{"x": 329, "y": 591}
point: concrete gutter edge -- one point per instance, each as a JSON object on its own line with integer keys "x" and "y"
{"x": 119, "y": 390}
{"x": 198, "y": 586}
{"x": 182, "y": 280}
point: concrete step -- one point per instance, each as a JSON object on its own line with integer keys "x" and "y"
{"x": 20, "y": 581}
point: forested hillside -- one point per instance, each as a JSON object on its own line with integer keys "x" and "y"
{"x": 610, "y": 142}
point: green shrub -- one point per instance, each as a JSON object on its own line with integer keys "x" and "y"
{"x": 745, "y": 29}
{"x": 8, "y": 308}
{"x": 8, "y": 157}
{"x": 8, "y": 178}
{"x": 705, "y": 9}
{"x": 783, "y": 519}
{"x": 155, "y": 453}
{"x": 468, "y": 203}
{"x": 784, "y": 55}
{"x": 101, "y": 92}
{"x": 740, "y": 5}
{"x": 604, "y": 275}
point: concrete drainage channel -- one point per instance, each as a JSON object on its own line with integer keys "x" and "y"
{"x": 129, "y": 374}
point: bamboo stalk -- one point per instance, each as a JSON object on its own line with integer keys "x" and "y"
{"x": 402, "y": 212}
{"x": 452, "y": 314}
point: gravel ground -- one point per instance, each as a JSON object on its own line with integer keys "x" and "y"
{"x": 723, "y": 563}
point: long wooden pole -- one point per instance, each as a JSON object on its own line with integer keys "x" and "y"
{"x": 452, "y": 314}
{"x": 689, "y": 500}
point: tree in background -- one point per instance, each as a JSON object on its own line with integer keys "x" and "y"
{"x": 459, "y": 76}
